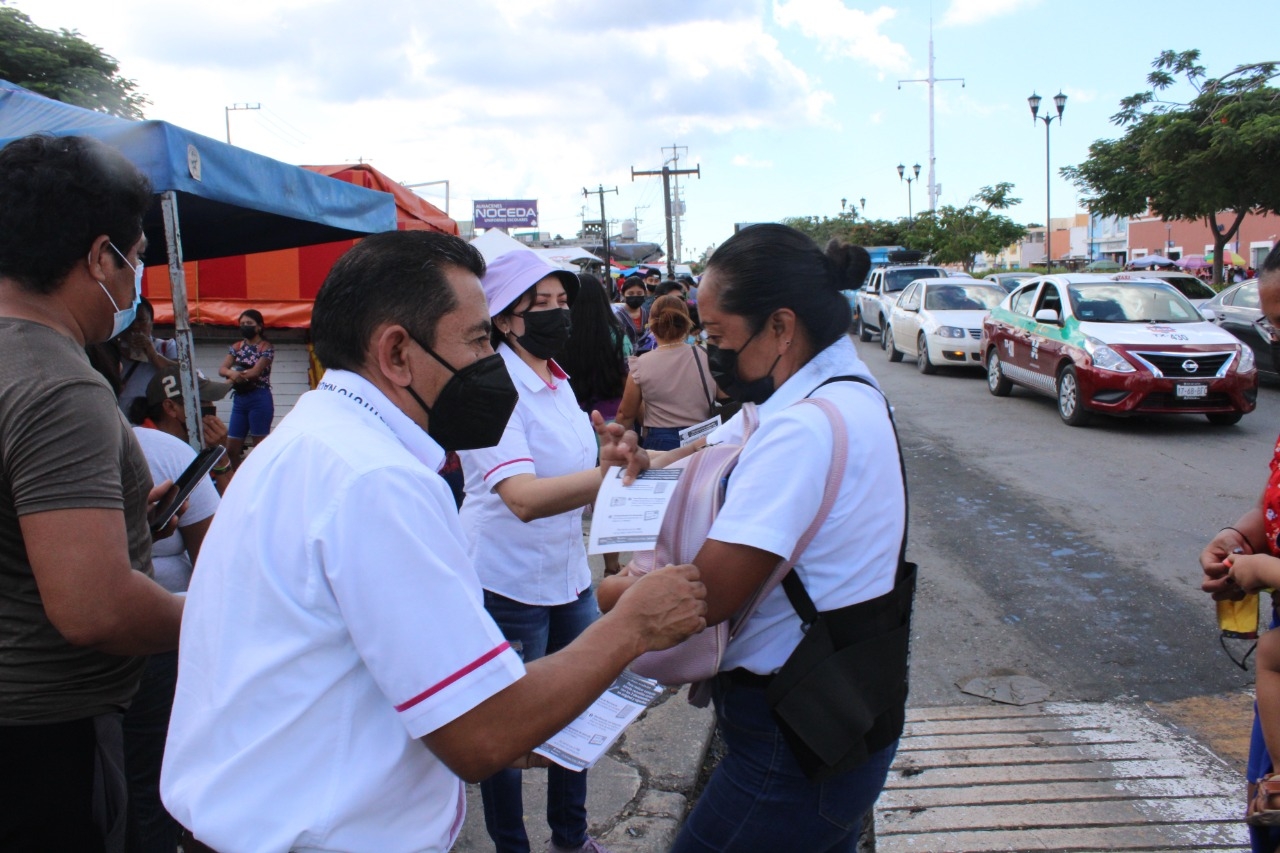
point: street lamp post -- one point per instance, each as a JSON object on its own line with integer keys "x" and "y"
{"x": 1059, "y": 101}
{"x": 1168, "y": 243}
{"x": 903, "y": 177}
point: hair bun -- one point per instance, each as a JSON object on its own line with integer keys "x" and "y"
{"x": 849, "y": 263}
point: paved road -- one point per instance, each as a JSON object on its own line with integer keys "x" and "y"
{"x": 1067, "y": 553}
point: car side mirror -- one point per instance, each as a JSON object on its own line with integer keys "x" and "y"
{"x": 1048, "y": 315}
{"x": 1207, "y": 313}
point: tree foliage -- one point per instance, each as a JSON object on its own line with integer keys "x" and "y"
{"x": 1212, "y": 157}
{"x": 956, "y": 235}
{"x": 63, "y": 66}
{"x": 848, "y": 227}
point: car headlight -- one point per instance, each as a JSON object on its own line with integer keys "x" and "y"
{"x": 1105, "y": 357}
{"x": 951, "y": 332}
{"x": 1247, "y": 361}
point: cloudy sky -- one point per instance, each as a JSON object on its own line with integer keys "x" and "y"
{"x": 787, "y": 106}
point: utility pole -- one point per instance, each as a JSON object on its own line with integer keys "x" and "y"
{"x": 933, "y": 184}
{"x": 667, "y": 172}
{"x": 227, "y": 112}
{"x": 604, "y": 224}
{"x": 675, "y": 161}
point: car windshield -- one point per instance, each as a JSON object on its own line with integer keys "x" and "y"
{"x": 1131, "y": 303}
{"x": 895, "y": 280}
{"x": 962, "y": 297}
{"x": 1190, "y": 286}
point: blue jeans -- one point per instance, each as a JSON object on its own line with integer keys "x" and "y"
{"x": 758, "y": 799}
{"x": 536, "y": 631}
{"x": 146, "y": 726}
{"x": 251, "y": 413}
{"x": 662, "y": 438}
{"x": 1262, "y": 839}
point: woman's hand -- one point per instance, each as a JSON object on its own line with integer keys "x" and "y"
{"x": 620, "y": 448}
{"x": 1214, "y": 562}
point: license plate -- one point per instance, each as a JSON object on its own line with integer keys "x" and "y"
{"x": 1191, "y": 391}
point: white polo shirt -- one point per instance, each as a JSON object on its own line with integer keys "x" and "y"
{"x": 167, "y": 457}
{"x": 332, "y": 620}
{"x": 775, "y": 492}
{"x": 543, "y": 561}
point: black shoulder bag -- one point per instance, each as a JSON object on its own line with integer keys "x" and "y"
{"x": 841, "y": 696}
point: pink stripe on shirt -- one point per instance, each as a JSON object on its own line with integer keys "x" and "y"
{"x": 505, "y": 464}
{"x": 466, "y": 670}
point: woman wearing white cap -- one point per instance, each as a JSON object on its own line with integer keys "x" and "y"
{"x": 523, "y": 517}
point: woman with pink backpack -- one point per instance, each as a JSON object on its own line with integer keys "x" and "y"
{"x": 811, "y": 690}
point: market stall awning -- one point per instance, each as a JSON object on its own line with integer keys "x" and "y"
{"x": 232, "y": 201}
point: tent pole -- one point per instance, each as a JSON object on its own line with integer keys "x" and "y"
{"x": 182, "y": 319}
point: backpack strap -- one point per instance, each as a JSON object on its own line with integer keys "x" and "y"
{"x": 703, "y": 376}
{"x": 835, "y": 477}
{"x": 791, "y": 584}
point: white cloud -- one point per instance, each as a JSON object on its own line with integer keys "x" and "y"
{"x": 842, "y": 31}
{"x": 1080, "y": 96}
{"x": 746, "y": 161}
{"x": 967, "y": 12}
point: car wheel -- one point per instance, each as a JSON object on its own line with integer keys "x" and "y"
{"x": 895, "y": 354}
{"x": 884, "y": 324}
{"x": 863, "y": 334}
{"x": 1070, "y": 407}
{"x": 923, "y": 364}
{"x": 1224, "y": 418}
{"x": 997, "y": 382}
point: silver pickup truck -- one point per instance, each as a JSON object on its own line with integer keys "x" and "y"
{"x": 882, "y": 289}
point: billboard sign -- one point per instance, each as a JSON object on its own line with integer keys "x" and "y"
{"x": 506, "y": 213}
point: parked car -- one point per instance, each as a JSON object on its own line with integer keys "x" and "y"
{"x": 938, "y": 321}
{"x": 1008, "y": 280}
{"x": 1238, "y": 311}
{"x": 1196, "y": 291}
{"x": 1117, "y": 347}
{"x": 882, "y": 289}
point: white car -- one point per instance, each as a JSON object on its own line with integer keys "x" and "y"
{"x": 938, "y": 321}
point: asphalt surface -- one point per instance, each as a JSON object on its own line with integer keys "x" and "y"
{"x": 1067, "y": 554}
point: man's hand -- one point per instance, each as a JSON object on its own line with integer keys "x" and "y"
{"x": 666, "y": 606}
{"x": 215, "y": 431}
{"x": 1217, "y": 580}
{"x": 154, "y": 497}
{"x": 620, "y": 448}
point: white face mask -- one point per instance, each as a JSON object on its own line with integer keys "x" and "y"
{"x": 124, "y": 317}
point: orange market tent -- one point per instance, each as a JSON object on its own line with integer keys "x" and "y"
{"x": 283, "y": 284}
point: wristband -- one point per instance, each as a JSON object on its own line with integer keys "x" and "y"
{"x": 225, "y": 468}
{"x": 1241, "y": 535}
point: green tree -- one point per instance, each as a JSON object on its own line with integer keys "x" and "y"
{"x": 847, "y": 227}
{"x": 956, "y": 235}
{"x": 63, "y": 66}
{"x": 1212, "y": 157}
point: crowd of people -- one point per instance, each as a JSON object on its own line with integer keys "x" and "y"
{"x": 321, "y": 648}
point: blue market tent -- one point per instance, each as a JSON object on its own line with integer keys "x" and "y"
{"x": 232, "y": 201}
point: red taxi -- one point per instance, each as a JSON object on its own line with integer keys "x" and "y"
{"x": 1119, "y": 348}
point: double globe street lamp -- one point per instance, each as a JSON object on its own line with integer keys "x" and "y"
{"x": 1059, "y": 101}
{"x": 903, "y": 177}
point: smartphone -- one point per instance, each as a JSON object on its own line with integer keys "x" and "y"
{"x": 181, "y": 490}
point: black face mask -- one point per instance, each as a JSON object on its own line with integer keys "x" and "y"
{"x": 545, "y": 332}
{"x": 474, "y": 405}
{"x": 248, "y": 332}
{"x": 724, "y": 370}
{"x": 633, "y": 302}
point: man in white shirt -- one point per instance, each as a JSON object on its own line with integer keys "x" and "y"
{"x": 338, "y": 670}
